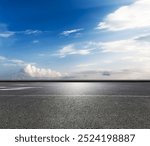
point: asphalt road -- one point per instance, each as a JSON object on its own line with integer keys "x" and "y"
{"x": 29, "y": 105}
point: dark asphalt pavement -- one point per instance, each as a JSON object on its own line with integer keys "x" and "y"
{"x": 75, "y": 105}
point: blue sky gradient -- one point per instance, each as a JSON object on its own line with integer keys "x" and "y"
{"x": 70, "y": 39}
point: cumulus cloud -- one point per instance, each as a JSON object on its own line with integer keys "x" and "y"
{"x": 68, "y": 32}
{"x": 71, "y": 50}
{"x": 135, "y": 15}
{"x": 35, "y": 72}
{"x": 20, "y": 69}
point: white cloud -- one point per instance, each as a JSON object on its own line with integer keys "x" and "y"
{"x": 2, "y": 58}
{"x": 6, "y": 34}
{"x": 140, "y": 46}
{"x": 131, "y": 53}
{"x": 33, "y": 71}
{"x": 129, "y": 45}
{"x": 135, "y": 15}
{"x": 120, "y": 74}
{"x": 30, "y": 32}
{"x": 132, "y": 74}
{"x": 13, "y": 62}
{"x": 17, "y": 61}
{"x": 68, "y": 32}
{"x": 71, "y": 50}
{"x": 86, "y": 65}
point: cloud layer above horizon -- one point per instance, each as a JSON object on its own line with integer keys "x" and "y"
{"x": 35, "y": 72}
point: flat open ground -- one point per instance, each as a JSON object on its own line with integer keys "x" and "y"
{"x": 74, "y": 105}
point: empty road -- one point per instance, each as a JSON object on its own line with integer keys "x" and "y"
{"x": 73, "y": 105}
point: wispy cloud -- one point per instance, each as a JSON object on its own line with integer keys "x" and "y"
{"x": 119, "y": 74}
{"x": 135, "y": 15}
{"x": 12, "y": 62}
{"x": 2, "y": 58}
{"x": 6, "y": 34}
{"x": 86, "y": 65}
{"x": 80, "y": 49}
{"x": 72, "y": 50}
{"x": 137, "y": 45}
{"x": 69, "y": 32}
{"x": 17, "y": 61}
{"x": 30, "y": 32}
{"x": 35, "y": 41}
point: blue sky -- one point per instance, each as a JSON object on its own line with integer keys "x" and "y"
{"x": 79, "y": 39}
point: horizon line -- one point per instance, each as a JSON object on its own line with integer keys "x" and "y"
{"x": 119, "y": 80}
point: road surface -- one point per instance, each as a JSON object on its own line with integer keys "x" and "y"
{"x": 74, "y": 105}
